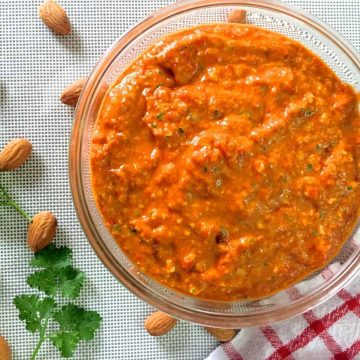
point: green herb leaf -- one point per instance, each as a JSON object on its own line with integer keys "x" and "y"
{"x": 34, "y": 311}
{"x": 44, "y": 280}
{"x": 52, "y": 257}
{"x": 66, "y": 342}
{"x": 309, "y": 167}
{"x": 68, "y": 281}
{"x": 57, "y": 276}
{"x": 71, "y": 281}
{"x": 75, "y": 319}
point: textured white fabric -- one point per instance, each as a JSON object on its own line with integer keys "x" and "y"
{"x": 35, "y": 65}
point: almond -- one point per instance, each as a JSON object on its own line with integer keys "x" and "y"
{"x": 158, "y": 323}
{"x": 54, "y": 17}
{"x": 222, "y": 335}
{"x": 5, "y": 351}
{"x": 14, "y": 154}
{"x": 70, "y": 95}
{"x": 237, "y": 16}
{"x": 41, "y": 230}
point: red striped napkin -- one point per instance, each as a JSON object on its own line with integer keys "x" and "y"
{"x": 329, "y": 331}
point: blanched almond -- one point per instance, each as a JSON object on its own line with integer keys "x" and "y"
{"x": 158, "y": 323}
{"x": 54, "y": 17}
{"x": 41, "y": 230}
{"x": 70, "y": 95}
{"x": 222, "y": 335}
{"x": 5, "y": 351}
{"x": 14, "y": 154}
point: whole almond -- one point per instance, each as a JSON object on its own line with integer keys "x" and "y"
{"x": 158, "y": 323}
{"x": 70, "y": 95}
{"x": 222, "y": 335}
{"x": 237, "y": 16}
{"x": 5, "y": 351}
{"x": 14, "y": 154}
{"x": 54, "y": 17}
{"x": 41, "y": 230}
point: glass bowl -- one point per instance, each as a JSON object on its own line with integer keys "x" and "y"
{"x": 269, "y": 14}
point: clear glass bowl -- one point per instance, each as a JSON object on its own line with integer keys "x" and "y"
{"x": 270, "y": 14}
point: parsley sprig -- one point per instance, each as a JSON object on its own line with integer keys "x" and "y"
{"x": 56, "y": 277}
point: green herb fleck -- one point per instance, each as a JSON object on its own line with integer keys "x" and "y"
{"x": 153, "y": 125}
{"x": 116, "y": 228}
{"x": 246, "y": 113}
{"x": 349, "y": 188}
{"x": 264, "y": 89}
{"x": 181, "y": 131}
{"x": 158, "y": 85}
{"x": 309, "y": 167}
{"x": 307, "y": 112}
{"x": 56, "y": 276}
{"x": 216, "y": 169}
{"x": 160, "y": 115}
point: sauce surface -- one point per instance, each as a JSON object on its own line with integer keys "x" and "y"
{"x": 225, "y": 162}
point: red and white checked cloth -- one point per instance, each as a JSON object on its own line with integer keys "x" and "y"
{"x": 329, "y": 331}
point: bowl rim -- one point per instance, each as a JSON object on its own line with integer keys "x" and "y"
{"x": 224, "y": 320}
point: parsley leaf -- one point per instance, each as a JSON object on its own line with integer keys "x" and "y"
{"x": 52, "y": 257}
{"x": 34, "y": 311}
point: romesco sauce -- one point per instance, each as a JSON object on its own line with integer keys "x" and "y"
{"x": 225, "y": 162}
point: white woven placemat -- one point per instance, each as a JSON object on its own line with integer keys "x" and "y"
{"x": 35, "y": 65}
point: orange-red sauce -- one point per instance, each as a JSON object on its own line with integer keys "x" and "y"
{"x": 225, "y": 162}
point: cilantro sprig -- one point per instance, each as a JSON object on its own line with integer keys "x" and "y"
{"x": 6, "y": 200}
{"x": 56, "y": 277}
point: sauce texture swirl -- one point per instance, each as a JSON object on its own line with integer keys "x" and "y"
{"x": 225, "y": 162}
